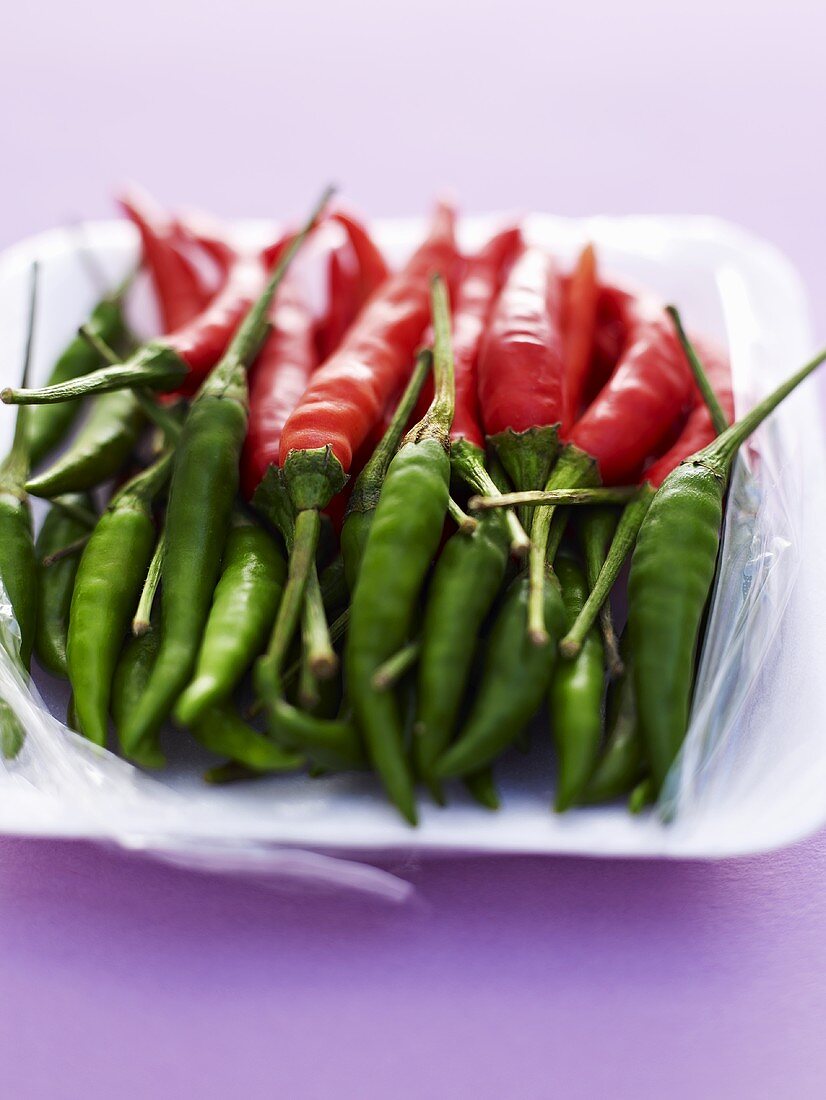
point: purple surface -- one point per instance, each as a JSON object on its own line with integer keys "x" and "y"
{"x": 524, "y": 977}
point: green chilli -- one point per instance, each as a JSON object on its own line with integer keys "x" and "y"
{"x": 466, "y": 580}
{"x": 403, "y": 539}
{"x": 59, "y": 531}
{"x": 48, "y": 425}
{"x": 671, "y": 576}
{"x": 242, "y": 614}
{"x": 516, "y": 673}
{"x": 107, "y": 586}
{"x": 576, "y": 695}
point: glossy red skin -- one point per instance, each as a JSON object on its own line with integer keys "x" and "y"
{"x": 698, "y": 430}
{"x": 179, "y": 290}
{"x": 614, "y": 306}
{"x": 348, "y": 393}
{"x": 342, "y": 296}
{"x": 481, "y": 280}
{"x": 371, "y": 264}
{"x": 637, "y": 409}
{"x": 356, "y": 269}
{"x": 581, "y": 300}
{"x": 278, "y": 378}
{"x": 521, "y": 363}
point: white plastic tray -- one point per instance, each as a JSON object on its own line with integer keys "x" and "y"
{"x": 770, "y": 789}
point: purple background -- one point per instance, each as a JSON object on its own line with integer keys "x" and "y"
{"x": 529, "y": 977}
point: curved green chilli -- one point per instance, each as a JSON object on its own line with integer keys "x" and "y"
{"x": 621, "y": 763}
{"x": 332, "y": 743}
{"x": 671, "y": 575}
{"x": 56, "y": 583}
{"x": 403, "y": 540}
{"x": 573, "y": 470}
{"x": 100, "y": 450}
{"x": 515, "y": 677}
{"x": 575, "y": 695}
{"x": 107, "y": 586}
{"x": 49, "y": 424}
{"x": 240, "y": 619}
{"x": 134, "y": 667}
{"x": 202, "y": 493}
{"x": 466, "y": 580}
{"x": 221, "y": 731}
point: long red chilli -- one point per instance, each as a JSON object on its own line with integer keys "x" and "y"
{"x": 348, "y": 393}
{"x": 581, "y": 303}
{"x": 612, "y": 328}
{"x": 277, "y": 380}
{"x": 370, "y": 263}
{"x": 478, "y": 287}
{"x": 696, "y": 432}
{"x": 633, "y": 415}
{"x": 640, "y": 404}
{"x": 356, "y": 268}
{"x": 521, "y": 366}
{"x": 481, "y": 280}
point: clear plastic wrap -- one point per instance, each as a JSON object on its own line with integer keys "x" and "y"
{"x": 753, "y": 771}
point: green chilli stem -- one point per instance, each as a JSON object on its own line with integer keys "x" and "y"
{"x": 162, "y": 370}
{"x": 252, "y": 332}
{"x": 469, "y": 464}
{"x": 574, "y": 470}
{"x": 614, "y": 663}
{"x": 558, "y": 524}
{"x": 621, "y": 546}
{"x": 387, "y": 675}
{"x": 159, "y": 416}
{"x": 146, "y": 485}
{"x": 619, "y": 494}
{"x": 309, "y": 694}
{"x": 439, "y": 417}
{"x": 367, "y": 488}
{"x": 67, "y": 551}
{"x": 95, "y": 341}
{"x": 445, "y": 395}
{"x": 718, "y": 416}
{"x": 719, "y": 455}
{"x": 338, "y": 628}
{"x": 141, "y": 624}
{"x": 302, "y": 558}
{"x": 321, "y": 657}
{"x": 466, "y": 524}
